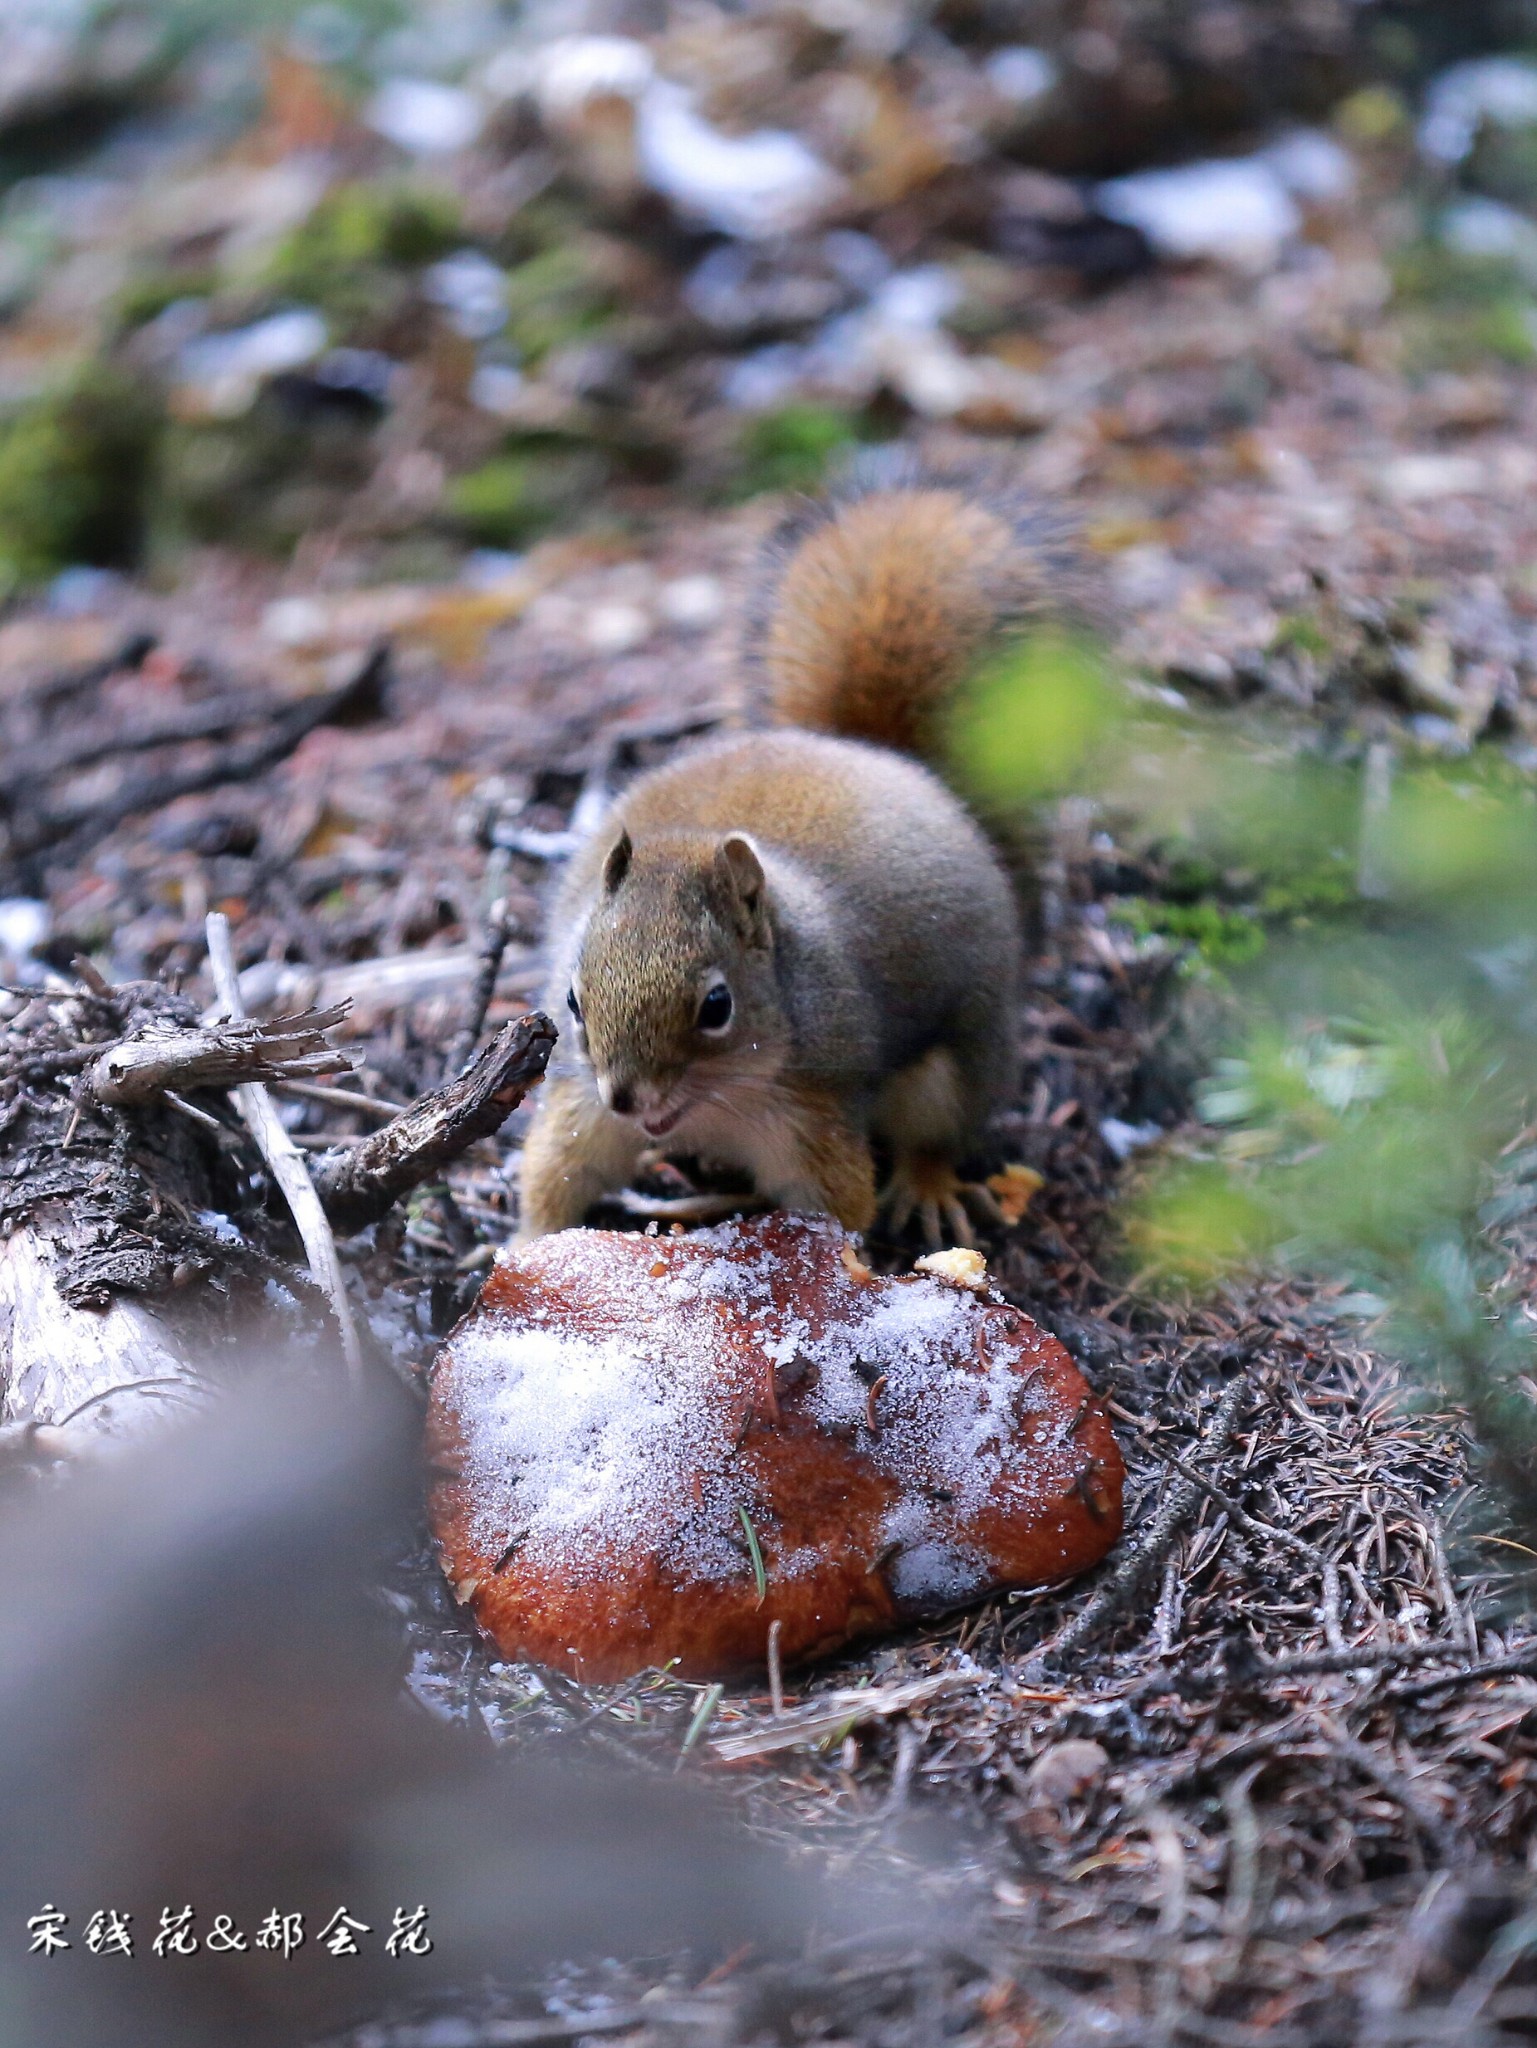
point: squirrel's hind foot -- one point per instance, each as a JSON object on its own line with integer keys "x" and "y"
{"x": 943, "y": 1203}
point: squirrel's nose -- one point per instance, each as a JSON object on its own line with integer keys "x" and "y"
{"x": 621, "y": 1099}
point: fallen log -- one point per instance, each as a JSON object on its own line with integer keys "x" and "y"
{"x": 139, "y": 1259}
{"x": 124, "y": 1280}
{"x": 74, "y": 1377}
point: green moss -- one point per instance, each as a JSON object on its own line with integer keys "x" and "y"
{"x": 1221, "y": 937}
{"x": 1508, "y": 331}
{"x": 558, "y": 219}
{"x": 76, "y": 465}
{"x": 259, "y": 481}
{"x": 349, "y": 257}
{"x": 403, "y": 224}
{"x": 533, "y": 485}
{"x": 789, "y": 449}
{"x": 1227, "y": 917}
{"x": 1428, "y": 273}
{"x": 1311, "y": 895}
{"x": 1469, "y": 336}
{"x": 1459, "y": 311}
{"x": 556, "y": 298}
{"x": 1189, "y": 875}
{"x": 145, "y": 297}
{"x": 1197, "y": 1223}
{"x": 1301, "y": 633}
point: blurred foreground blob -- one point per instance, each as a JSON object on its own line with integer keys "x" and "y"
{"x": 201, "y": 1693}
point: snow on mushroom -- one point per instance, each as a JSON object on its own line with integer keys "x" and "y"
{"x": 650, "y": 1449}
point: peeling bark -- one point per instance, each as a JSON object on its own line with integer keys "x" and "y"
{"x": 165, "y": 1058}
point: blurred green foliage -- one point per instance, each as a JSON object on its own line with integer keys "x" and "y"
{"x": 1220, "y": 936}
{"x": 562, "y": 295}
{"x": 1375, "y": 115}
{"x": 76, "y": 467}
{"x": 1350, "y": 1141}
{"x": 1364, "y": 1120}
{"x": 146, "y": 296}
{"x": 1302, "y": 633}
{"x": 1461, "y": 836}
{"x": 1041, "y": 718}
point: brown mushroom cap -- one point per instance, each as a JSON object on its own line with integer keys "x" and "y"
{"x": 628, "y": 1430}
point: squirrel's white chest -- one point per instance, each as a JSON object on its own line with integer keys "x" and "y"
{"x": 757, "y": 1138}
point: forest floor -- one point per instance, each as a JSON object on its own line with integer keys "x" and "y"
{"x": 1279, "y": 1779}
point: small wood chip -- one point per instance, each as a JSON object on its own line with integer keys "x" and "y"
{"x": 960, "y": 1266}
{"x": 1014, "y": 1188}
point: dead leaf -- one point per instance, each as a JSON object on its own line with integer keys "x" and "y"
{"x": 1014, "y": 1189}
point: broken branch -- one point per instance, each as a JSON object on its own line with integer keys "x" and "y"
{"x": 158, "y": 1059}
{"x": 360, "y": 1184}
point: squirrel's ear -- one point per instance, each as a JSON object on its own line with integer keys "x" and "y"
{"x": 617, "y": 864}
{"x": 744, "y": 872}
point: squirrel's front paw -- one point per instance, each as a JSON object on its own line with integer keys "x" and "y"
{"x": 933, "y": 1191}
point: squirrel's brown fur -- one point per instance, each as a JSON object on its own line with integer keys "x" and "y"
{"x": 787, "y": 944}
{"x": 873, "y": 608}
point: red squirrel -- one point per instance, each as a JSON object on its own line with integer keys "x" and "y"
{"x": 793, "y": 941}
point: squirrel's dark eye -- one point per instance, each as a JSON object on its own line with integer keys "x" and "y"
{"x": 715, "y": 1010}
{"x": 573, "y": 1005}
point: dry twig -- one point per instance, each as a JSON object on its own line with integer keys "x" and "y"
{"x": 493, "y": 948}
{"x": 359, "y": 1184}
{"x": 1112, "y": 1598}
{"x": 834, "y": 1712}
{"x": 284, "y": 1157}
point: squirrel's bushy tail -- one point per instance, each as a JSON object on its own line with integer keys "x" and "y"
{"x": 876, "y": 604}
